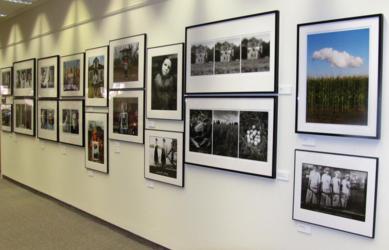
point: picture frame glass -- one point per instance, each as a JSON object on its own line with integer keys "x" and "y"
{"x": 48, "y": 119}
{"x": 24, "y": 117}
{"x": 48, "y": 77}
{"x": 24, "y": 78}
{"x": 96, "y": 72}
{"x": 71, "y": 123}
{"x": 6, "y": 81}
{"x": 72, "y": 75}
{"x": 6, "y": 117}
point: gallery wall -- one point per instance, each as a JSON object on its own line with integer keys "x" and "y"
{"x": 216, "y": 209}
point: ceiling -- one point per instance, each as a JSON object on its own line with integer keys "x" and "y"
{"x": 14, "y": 9}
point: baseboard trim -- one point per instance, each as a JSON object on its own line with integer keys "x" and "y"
{"x": 114, "y": 227}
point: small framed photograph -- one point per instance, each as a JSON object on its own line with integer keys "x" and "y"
{"x": 336, "y": 191}
{"x": 96, "y": 137}
{"x": 71, "y": 122}
{"x": 238, "y": 55}
{"x": 339, "y": 77}
{"x": 164, "y": 82}
{"x": 72, "y": 75}
{"x": 126, "y": 118}
{"x": 127, "y": 62}
{"x": 48, "y": 77}
{"x": 6, "y": 81}
{"x": 232, "y": 133}
{"x": 6, "y": 117}
{"x": 48, "y": 120}
{"x": 96, "y": 73}
{"x": 24, "y": 78}
{"x": 24, "y": 117}
{"x": 164, "y": 157}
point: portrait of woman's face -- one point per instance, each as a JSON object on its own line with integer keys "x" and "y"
{"x": 166, "y": 66}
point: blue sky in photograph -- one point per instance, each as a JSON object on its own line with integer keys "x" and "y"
{"x": 341, "y": 53}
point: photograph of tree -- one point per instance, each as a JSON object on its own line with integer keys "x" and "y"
{"x": 337, "y": 77}
{"x": 225, "y": 133}
{"x": 126, "y": 62}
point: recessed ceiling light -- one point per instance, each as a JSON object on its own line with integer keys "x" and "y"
{"x": 20, "y": 1}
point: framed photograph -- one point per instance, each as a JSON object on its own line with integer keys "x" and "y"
{"x": 232, "y": 133}
{"x": 6, "y": 117}
{"x": 24, "y": 78}
{"x": 48, "y": 77}
{"x": 24, "y": 117}
{"x": 96, "y": 152}
{"x": 164, "y": 157}
{"x": 71, "y": 122}
{"x": 164, "y": 81}
{"x": 339, "y": 77}
{"x": 72, "y": 75}
{"x": 233, "y": 55}
{"x": 96, "y": 73}
{"x": 6, "y": 81}
{"x": 126, "y": 118}
{"x": 336, "y": 191}
{"x": 127, "y": 62}
{"x": 48, "y": 120}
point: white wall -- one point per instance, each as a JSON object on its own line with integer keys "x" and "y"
{"x": 216, "y": 209}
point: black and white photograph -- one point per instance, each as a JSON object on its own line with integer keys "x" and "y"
{"x": 48, "y": 120}
{"x": 164, "y": 82}
{"x": 240, "y": 50}
{"x": 96, "y": 152}
{"x": 227, "y": 56}
{"x": 6, "y": 117}
{"x": 72, "y": 75}
{"x": 235, "y": 134}
{"x": 163, "y": 156}
{"x": 127, "y": 59}
{"x": 126, "y": 115}
{"x": 335, "y": 191}
{"x": 202, "y": 59}
{"x": 256, "y": 53}
{"x": 71, "y": 122}
{"x": 24, "y": 116}
{"x": 96, "y": 72}
{"x": 48, "y": 77}
{"x": 6, "y": 81}
{"x": 24, "y": 78}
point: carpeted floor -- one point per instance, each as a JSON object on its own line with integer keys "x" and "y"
{"x": 31, "y": 221}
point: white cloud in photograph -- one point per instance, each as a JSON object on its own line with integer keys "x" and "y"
{"x": 338, "y": 59}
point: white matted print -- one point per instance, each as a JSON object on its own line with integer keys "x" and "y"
{"x": 24, "y": 78}
{"x": 72, "y": 75}
{"x": 127, "y": 62}
{"x": 126, "y": 117}
{"x": 6, "y": 117}
{"x": 71, "y": 123}
{"x": 233, "y": 55}
{"x": 235, "y": 134}
{"x": 336, "y": 191}
{"x": 24, "y": 116}
{"x": 96, "y": 146}
{"x": 48, "y": 77}
{"x": 96, "y": 77}
{"x": 164, "y": 82}
{"x": 6, "y": 81}
{"x": 164, "y": 157}
{"x": 48, "y": 119}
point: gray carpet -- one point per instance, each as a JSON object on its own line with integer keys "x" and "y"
{"x": 31, "y": 221}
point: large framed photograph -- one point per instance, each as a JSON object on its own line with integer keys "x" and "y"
{"x": 96, "y": 137}
{"x": 6, "y": 81}
{"x": 233, "y": 55}
{"x": 48, "y": 77}
{"x": 164, "y": 81}
{"x": 232, "y": 133}
{"x": 339, "y": 77}
{"x": 48, "y": 120}
{"x": 164, "y": 157}
{"x": 96, "y": 73}
{"x": 127, "y": 62}
{"x": 71, "y": 122}
{"x": 24, "y": 117}
{"x": 336, "y": 191}
{"x": 6, "y": 117}
{"x": 24, "y": 78}
{"x": 72, "y": 75}
{"x": 126, "y": 118}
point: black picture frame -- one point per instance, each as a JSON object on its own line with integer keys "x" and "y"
{"x": 22, "y": 131}
{"x": 56, "y": 126}
{"x": 5, "y": 92}
{"x": 24, "y": 64}
{"x": 80, "y": 142}
{"x": 42, "y": 95}
{"x": 72, "y": 94}
{"x": 8, "y": 129}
